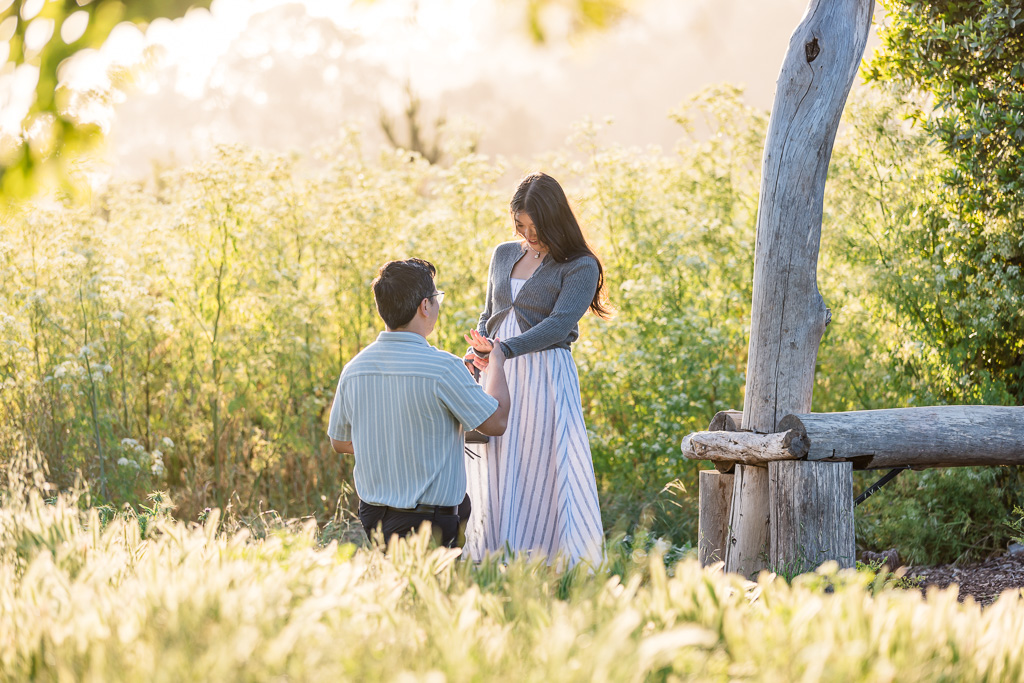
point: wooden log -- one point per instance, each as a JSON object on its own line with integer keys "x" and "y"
{"x": 726, "y": 421}
{"x": 788, "y": 315}
{"x": 746, "y": 550}
{"x": 936, "y": 436}
{"x": 715, "y": 496}
{"x": 744, "y": 447}
{"x": 811, "y": 508}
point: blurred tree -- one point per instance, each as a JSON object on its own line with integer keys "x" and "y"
{"x": 963, "y": 256}
{"x": 41, "y": 34}
{"x": 36, "y": 37}
{"x": 429, "y": 150}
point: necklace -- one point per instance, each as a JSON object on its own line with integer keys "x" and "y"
{"x": 536, "y": 254}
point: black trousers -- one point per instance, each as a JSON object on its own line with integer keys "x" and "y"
{"x": 448, "y": 530}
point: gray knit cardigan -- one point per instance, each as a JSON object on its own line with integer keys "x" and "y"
{"x": 549, "y": 306}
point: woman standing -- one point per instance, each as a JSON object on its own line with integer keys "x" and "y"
{"x": 533, "y": 489}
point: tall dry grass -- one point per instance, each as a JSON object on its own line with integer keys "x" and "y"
{"x": 84, "y": 601}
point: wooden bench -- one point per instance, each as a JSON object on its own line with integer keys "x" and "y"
{"x": 918, "y": 438}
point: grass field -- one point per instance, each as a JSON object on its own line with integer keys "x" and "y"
{"x": 153, "y": 599}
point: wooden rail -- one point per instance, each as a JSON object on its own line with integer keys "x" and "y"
{"x": 934, "y": 436}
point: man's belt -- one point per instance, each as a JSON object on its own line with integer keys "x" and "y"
{"x": 422, "y": 509}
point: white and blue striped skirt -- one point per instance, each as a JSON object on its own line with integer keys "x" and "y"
{"x": 533, "y": 489}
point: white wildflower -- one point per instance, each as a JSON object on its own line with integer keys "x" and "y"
{"x": 60, "y": 371}
{"x": 157, "y": 469}
{"x": 166, "y": 441}
{"x": 123, "y": 462}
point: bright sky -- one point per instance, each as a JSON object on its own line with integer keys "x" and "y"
{"x": 288, "y": 74}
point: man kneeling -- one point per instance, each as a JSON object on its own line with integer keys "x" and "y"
{"x": 401, "y": 408}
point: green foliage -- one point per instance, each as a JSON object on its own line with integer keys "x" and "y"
{"x": 942, "y": 515}
{"x": 1016, "y": 526}
{"x": 965, "y": 251}
{"x": 676, "y": 239}
{"x": 969, "y": 56}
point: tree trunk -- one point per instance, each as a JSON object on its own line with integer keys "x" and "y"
{"x": 788, "y": 315}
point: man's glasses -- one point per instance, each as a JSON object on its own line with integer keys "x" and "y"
{"x": 439, "y": 295}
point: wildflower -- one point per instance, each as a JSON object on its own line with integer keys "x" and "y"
{"x": 132, "y": 445}
{"x": 166, "y": 441}
{"x": 60, "y": 371}
{"x": 123, "y": 462}
{"x": 157, "y": 469}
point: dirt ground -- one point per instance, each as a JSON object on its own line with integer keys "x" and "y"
{"x": 984, "y": 581}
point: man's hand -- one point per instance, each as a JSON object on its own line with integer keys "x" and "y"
{"x": 496, "y": 386}
{"x": 342, "y": 446}
{"x": 474, "y": 363}
{"x": 496, "y": 356}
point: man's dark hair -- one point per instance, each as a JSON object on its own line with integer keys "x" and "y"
{"x": 399, "y": 288}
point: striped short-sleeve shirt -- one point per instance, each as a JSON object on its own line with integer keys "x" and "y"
{"x": 404, "y": 405}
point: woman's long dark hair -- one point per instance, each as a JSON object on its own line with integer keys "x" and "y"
{"x": 541, "y": 198}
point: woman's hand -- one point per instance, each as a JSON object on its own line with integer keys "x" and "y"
{"x": 479, "y": 343}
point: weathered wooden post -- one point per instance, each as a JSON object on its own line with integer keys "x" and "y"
{"x": 788, "y": 315}
{"x": 713, "y": 522}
